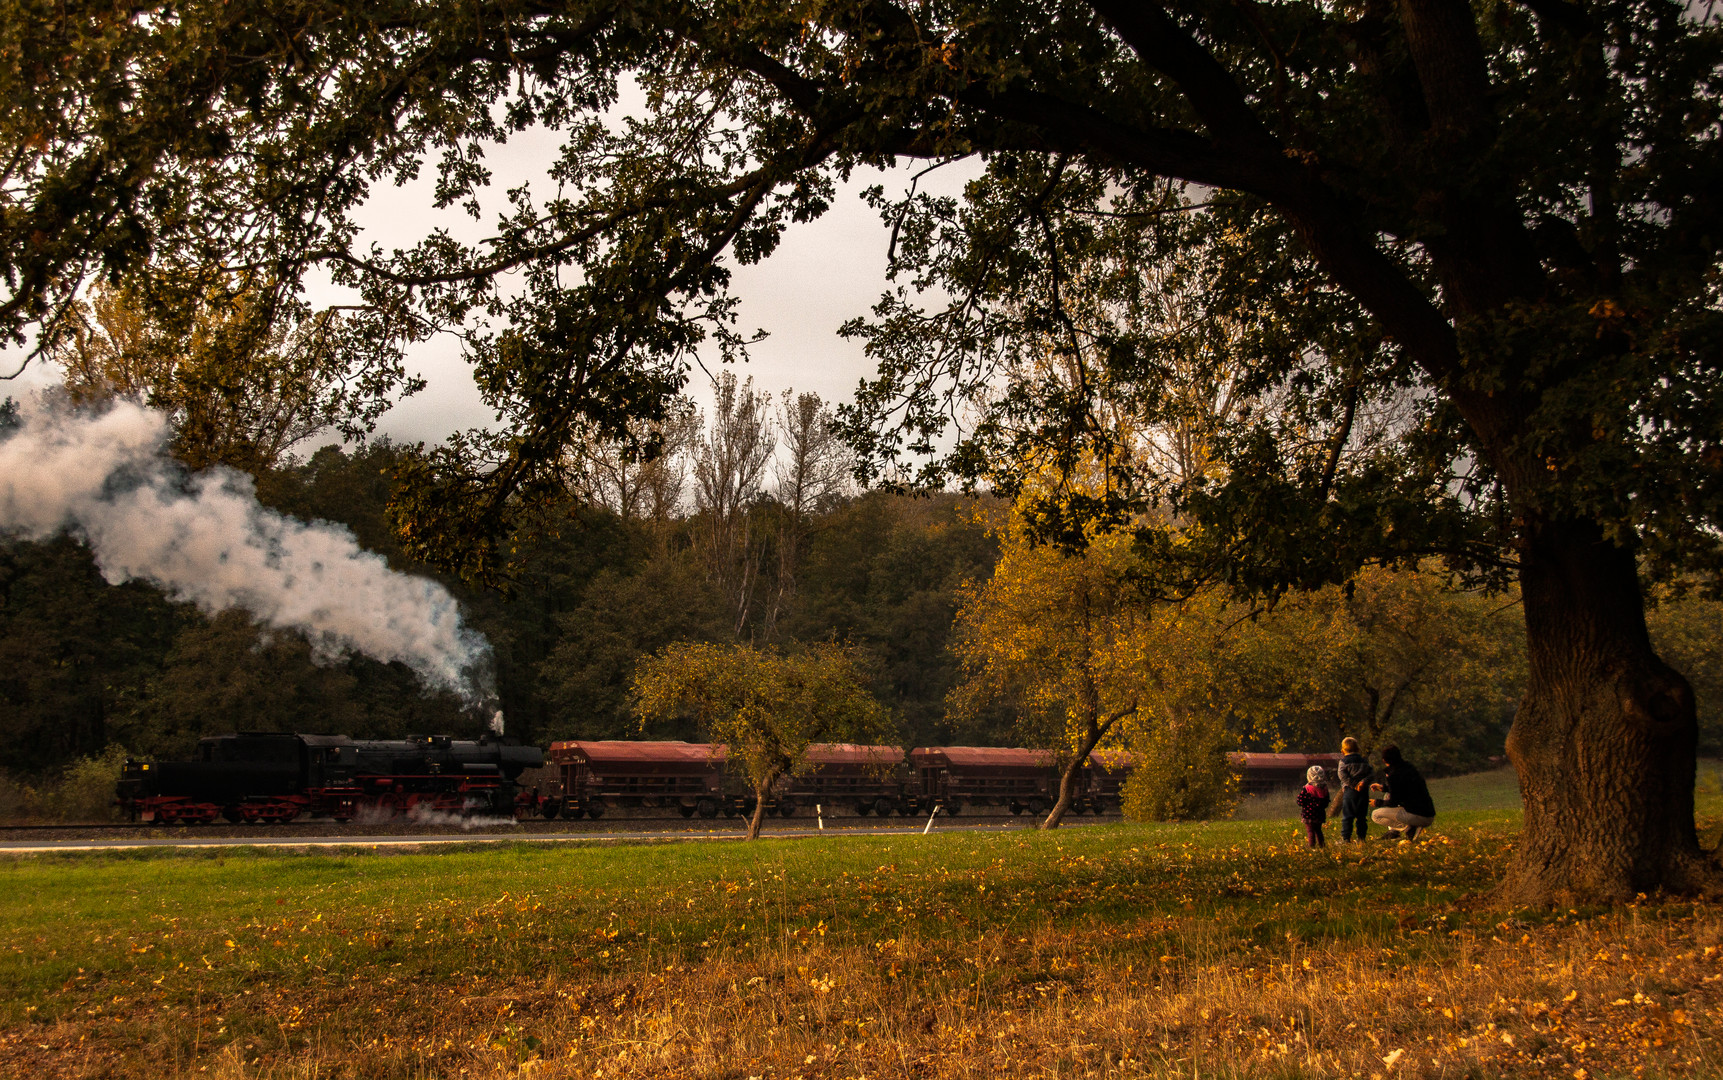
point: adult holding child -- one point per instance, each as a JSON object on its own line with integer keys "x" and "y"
{"x": 1355, "y": 775}
{"x": 1402, "y": 799}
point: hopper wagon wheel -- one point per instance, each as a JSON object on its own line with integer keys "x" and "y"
{"x": 233, "y": 814}
{"x": 954, "y": 807}
{"x": 1037, "y": 806}
{"x": 729, "y": 809}
{"x": 708, "y": 807}
{"x": 550, "y": 808}
{"x": 786, "y": 807}
{"x": 594, "y": 809}
{"x": 685, "y": 809}
{"x": 882, "y": 806}
{"x": 1016, "y": 808}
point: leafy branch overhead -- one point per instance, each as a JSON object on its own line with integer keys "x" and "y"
{"x": 1384, "y": 280}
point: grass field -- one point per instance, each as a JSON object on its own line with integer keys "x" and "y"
{"x": 1219, "y": 949}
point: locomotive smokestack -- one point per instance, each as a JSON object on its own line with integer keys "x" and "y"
{"x": 204, "y": 538}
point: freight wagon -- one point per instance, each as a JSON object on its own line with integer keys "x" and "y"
{"x": 1260, "y": 773}
{"x": 600, "y": 774}
{"x": 868, "y": 779}
{"x": 693, "y": 778}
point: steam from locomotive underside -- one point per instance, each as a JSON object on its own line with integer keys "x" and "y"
{"x": 204, "y": 538}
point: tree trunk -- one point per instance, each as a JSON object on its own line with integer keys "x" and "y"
{"x": 1068, "y": 779}
{"x": 1605, "y": 739}
{"x": 759, "y": 814}
{"x": 1067, "y": 790}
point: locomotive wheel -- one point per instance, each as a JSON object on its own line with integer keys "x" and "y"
{"x": 708, "y": 808}
{"x": 685, "y": 809}
{"x": 882, "y": 806}
{"x": 550, "y": 808}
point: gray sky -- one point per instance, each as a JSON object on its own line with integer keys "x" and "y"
{"x": 822, "y": 274}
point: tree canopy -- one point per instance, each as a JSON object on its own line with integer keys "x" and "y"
{"x": 765, "y": 707}
{"x": 1491, "y": 228}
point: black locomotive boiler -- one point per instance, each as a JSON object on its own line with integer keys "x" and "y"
{"x": 278, "y": 777}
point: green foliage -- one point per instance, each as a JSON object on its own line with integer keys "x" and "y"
{"x": 1549, "y": 169}
{"x": 1686, "y": 632}
{"x": 886, "y": 573}
{"x": 625, "y": 614}
{"x": 1180, "y": 769}
{"x": 87, "y": 791}
{"x": 763, "y": 706}
{"x": 242, "y": 381}
{"x": 83, "y": 792}
{"x": 1399, "y": 657}
{"x": 76, "y": 653}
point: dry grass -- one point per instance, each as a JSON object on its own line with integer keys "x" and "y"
{"x": 1130, "y": 951}
{"x": 1635, "y": 994}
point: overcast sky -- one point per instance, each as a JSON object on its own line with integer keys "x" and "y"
{"x": 822, "y": 274}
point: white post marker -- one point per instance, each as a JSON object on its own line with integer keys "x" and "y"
{"x": 930, "y": 817}
{"x": 820, "y": 815}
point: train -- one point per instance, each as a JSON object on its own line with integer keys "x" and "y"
{"x": 593, "y": 777}
{"x": 275, "y": 777}
{"x": 596, "y": 776}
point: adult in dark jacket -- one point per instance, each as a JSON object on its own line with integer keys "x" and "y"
{"x": 1404, "y": 802}
{"x": 1355, "y": 776}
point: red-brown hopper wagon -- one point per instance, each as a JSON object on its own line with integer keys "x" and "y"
{"x": 869, "y": 779}
{"x": 598, "y": 775}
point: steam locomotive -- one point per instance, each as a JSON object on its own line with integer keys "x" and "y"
{"x": 278, "y": 777}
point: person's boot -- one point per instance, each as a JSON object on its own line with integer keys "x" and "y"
{"x": 1411, "y": 832}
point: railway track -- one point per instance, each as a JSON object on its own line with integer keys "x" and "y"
{"x": 35, "y": 839}
{"x": 640, "y": 823}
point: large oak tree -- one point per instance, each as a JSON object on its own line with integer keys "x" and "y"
{"x": 1505, "y": 211}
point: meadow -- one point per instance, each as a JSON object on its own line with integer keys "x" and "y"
{"x": 1217, "y": 949}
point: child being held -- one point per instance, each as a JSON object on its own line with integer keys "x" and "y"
{"x": 1313, "y": 805}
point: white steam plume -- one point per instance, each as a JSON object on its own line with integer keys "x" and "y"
{"x": 204, "y": 538}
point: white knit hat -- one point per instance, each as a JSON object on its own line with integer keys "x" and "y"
{"x": 1315, "y": 775}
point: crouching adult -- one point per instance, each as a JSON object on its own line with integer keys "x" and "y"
{"x": 1403, "y": 803}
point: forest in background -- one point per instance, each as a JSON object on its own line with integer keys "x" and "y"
{"x": 739, "y": 526}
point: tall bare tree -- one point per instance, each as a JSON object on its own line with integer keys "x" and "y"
{"x": 812, "y": 469}
{"x": 645, "y": 477}
{"x": 729, "y": 466}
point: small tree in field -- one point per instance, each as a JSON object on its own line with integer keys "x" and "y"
{"x": 767, "y": 707}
